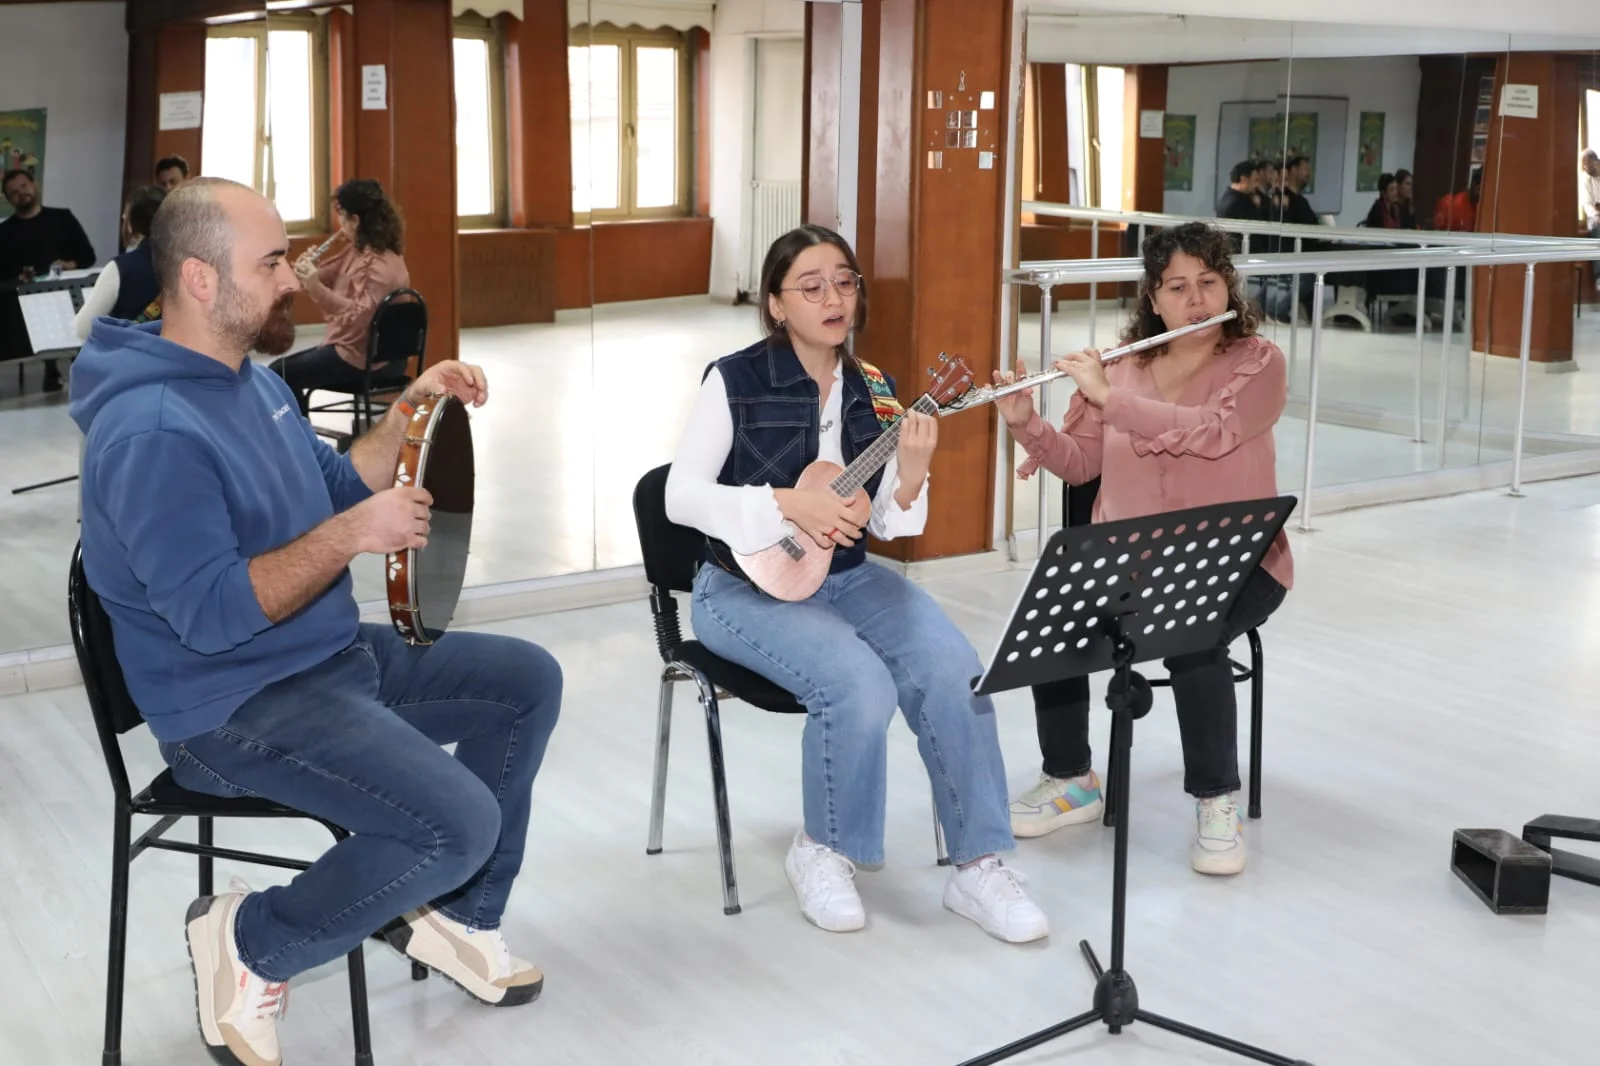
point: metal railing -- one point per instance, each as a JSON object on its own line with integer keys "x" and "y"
{"x": 1449, "y": 251}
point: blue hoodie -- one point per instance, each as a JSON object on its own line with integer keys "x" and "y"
{"x": 190, "y": 470}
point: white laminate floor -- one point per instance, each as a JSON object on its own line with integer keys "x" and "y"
{"x": 1433, "y": 669}
{"x": 580, "y": 408}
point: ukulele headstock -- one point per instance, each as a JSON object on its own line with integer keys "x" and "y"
{"x": 949, "y": 379}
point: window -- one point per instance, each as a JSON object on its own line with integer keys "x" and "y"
{"x": 1095, "y": 104}
{"x": 1588, "y": 137}
{"x": 480, "y": 125}
{"x": 630, "y": 128}
{"x": 263, "y": 120}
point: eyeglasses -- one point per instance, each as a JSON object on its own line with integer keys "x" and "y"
{"x": 815, "y": 288}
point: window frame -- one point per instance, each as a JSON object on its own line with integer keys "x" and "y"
{"x": 477, "y": 27}
{"x": 630, "y": 41}
{"x": 258, "y": 29}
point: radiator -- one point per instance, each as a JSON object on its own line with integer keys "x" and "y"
{"x": 776, "y": 211}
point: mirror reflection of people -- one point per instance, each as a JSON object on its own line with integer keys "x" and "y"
{"x": 869, "y": 641}
{"x": 1458, "y": 211}
{"x": 1185, "y": 425}
{"x": 219, "y": 532}
{"x": 347, "y": 283}
{"x": 1589, "y": 189}
{"x": 127, "y": 288}
{"x": 1385, "y": 211}
{"x": 33, "y": 241}
{"x": 171, "y": 171}
{"x": 1408, "y": 210}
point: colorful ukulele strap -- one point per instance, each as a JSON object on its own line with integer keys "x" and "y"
{"x": 884, "y": 404}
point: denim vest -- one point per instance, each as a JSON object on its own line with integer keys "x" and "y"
{"x": 777, "y": 432}
{"x": 138, "y": 289}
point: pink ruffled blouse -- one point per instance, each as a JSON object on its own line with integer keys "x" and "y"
{"x": 1214, "y": 445}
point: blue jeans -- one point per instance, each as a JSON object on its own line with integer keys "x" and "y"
{"x": 356, "y": 741}
{"x": 867, "y": 642}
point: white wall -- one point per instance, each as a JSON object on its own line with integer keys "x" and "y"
{"x": 72, "y": 60}
{"x": 736, "y": 26}
{"x": 1389, "y": 84}
{"x": 1523, "y": 19}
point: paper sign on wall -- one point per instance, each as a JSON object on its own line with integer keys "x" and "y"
{"x": 1151, "y": 124}
{"x": 180, "y": 111}
{"x": 374, "y": 88}
{"x": 1519, "y": 101}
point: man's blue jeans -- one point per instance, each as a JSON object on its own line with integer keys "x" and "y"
{"x": 357, "y": 741}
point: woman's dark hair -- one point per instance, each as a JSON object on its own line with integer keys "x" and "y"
{"x": 1384, "y": 181}
{"x": 142, "y": 204}
{"x": 781, "y": 256}
{"x": 380, "y": 227}
{"x": 1212, "y": 247}
{"x": 1401, "y": 176}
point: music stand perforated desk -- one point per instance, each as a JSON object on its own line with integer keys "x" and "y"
{"x": 1103, "y": 597}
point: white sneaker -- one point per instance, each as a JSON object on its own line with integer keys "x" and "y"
{"x": 1219, "y": 838}
{"x": 825, "y": 883}
{"x": 990, "y": 893}
{"x": 475, "y": 960}
{"x": 238, "y": 1010}
{"x": 1055, "y": 802}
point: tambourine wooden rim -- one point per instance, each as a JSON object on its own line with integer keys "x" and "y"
{"x": 405, "y": 607}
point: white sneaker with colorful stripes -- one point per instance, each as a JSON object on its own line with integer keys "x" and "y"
{"x": 1055, "y": 802}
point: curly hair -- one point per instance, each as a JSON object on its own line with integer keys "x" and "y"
{"x": 380, "y": 227}
{"x": 1212, "y": 247}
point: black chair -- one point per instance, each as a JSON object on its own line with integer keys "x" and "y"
{"x": 1078, "y": 509}
{"x": 672, "y": 555}
{"x": 398, "y": 334}
{"x": 164, "y": 799}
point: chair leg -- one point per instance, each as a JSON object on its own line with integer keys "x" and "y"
{"x": 356, "y": 963}
{"x": 941, "y": 855}
{"x": 1257, "y": 681}
{"x": 116, "y": 951}
{"x": 205, "y": 838}
{"x": 658, "y": 788}
{"x": 719, "y": 793}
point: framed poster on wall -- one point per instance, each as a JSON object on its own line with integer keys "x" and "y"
{"x": 1369, "y": 151}
{"x": 1177, "y": 136}
{"x": 22, "y": 147}
{"x": 1312, "y": 126}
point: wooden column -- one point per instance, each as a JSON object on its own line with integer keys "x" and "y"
{"x": 930, "y": 237}
{"x": 1530, "y": 185}
{"x": 538, "y": 110}
{"x": 165, "y": 58}
{"x": 819, "y": 152}
{"x": 408, "y": 146}
{"x": 1143, "y": 158}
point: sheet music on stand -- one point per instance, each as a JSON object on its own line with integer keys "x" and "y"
{"x": 50, "y": 320}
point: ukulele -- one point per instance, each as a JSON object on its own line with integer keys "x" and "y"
{"x": 795, "y": 567}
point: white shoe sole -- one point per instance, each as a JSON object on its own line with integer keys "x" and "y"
{"x": 1027, "y": 826}
{"x": 1217, "y": 863}
{"x": 203, "y": 960}
{"x": 957, "y": 902}
{"x": 421, "y": 943}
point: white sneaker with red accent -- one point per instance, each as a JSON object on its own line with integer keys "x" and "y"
{"x": 1219, "y": 836}
{"x": 238, "y": 1011}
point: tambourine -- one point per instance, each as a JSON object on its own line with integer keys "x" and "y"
{"x": 436, "y": 455}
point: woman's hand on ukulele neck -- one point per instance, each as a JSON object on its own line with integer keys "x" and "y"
{"x": 918, "y": 435}
{"x": 1017, "y": 408}
{"x": 823, "y": 516}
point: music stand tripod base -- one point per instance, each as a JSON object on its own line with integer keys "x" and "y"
{"x": 1103, "y": 597}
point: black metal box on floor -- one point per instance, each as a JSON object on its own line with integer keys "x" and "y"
{"x": 1510, "y": 875}
{"x": 1546, "y": 827}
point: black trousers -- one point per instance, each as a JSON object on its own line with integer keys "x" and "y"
{"x": 1202, "y": 688}
{"x": 324, "y": 368}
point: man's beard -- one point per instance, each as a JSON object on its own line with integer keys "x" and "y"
{"x": 270, "y": 334}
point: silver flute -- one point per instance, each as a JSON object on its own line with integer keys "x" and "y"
{"x": 311, "y": 255}
{"x": 989, "y": 393}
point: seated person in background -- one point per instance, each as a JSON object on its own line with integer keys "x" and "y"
{"x": 172, "y": 171}
{"x": 218, "y": 531}
{"x": 1408, "y": 209}
{"x": 347, "y": 284}
{"x": 869, "y": 640}
{"x": 1459, "y": 211}
{"x": 1182, "y": 426}
{"x": 127, "y": 288}
{"x": 1242, "y": 199}
{"x": 1589, "y": 189}
{"x": 34, "y": 239}
{"x": 1385, "y": 212}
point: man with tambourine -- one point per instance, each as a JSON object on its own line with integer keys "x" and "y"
{"x": 218, "y": 530}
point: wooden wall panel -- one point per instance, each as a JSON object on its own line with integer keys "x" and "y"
{"x": 508, "y": 277}
{"x": 344, "y": 97}
{"x": 819, "y": 194}
{"x": 169, "y": 58}
{"x": 1048, "y": 136}
{"x": 1530, "y": 186}
{"x": 700, "y": 59}
{"x": 538, "y": 116}
{"x": 139, "y": 137}
{"x": 633, "y": 261}
{"x": 1143, "y": 157}
{"x": 1447, "y": 101}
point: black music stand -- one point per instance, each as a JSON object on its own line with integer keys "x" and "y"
{"x": 1104, "y": 597}
{"x": 74, "y": 288}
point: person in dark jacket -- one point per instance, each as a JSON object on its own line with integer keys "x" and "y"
{"x": 127, "y": 288}
{"x": 32, "y": 241}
